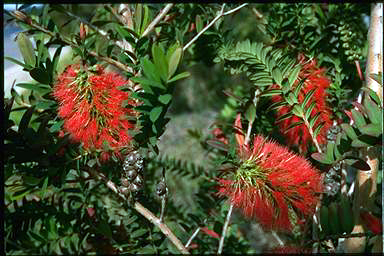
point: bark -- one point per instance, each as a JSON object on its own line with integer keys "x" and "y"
{"x": 365, "y": 188}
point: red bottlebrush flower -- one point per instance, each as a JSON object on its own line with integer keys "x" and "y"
{"x": 92, "y": 108}
{"x": 315, "y": 79}
{"x": 371, "y": 222}
{"x": 271, "y": 183}
{"x": 210, "y": 232}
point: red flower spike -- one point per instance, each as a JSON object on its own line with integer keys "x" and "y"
{"x": 272, "y": 183}
{"x": 210, "y": 232}
{"x": 91, "y": 105}
{"x": 315, "y": 79}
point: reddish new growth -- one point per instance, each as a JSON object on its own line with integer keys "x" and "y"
{"x": 315, "y": 79}
{"x": 92, "y": 108}
{"x": 272, "y": 184}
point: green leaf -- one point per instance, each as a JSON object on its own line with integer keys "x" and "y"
{"x": 57, "y": 126}
{"x": 199, "y": 23}
{"x": 40, "y": 75}
{"x": 160, "y": 61}
{"x": 155, "y": 113}
{"x": 26, "y": 119}
{"x": 313, "y": 119}
{"x": 271, "y": 92}
{"x": 375, "y": 113}
{"x": 31, "y": 181}
{"x": 346, "y": 218}
{"x": 250, "y": 113}
{"x": 357, "y": 163}
{"x": 358, "y": 118}
{"x": 277, "y": 76}
{"x": 298, "y": 88}
{"x": 371, "y": 129}
{"x": 334, "y": 221}
{"x": 25, "y": 66}
{"x": 298, "y": 111}
{"x": 308, "y": 111}
{"x": 293, "y": 75}
{"x": 138, "y": 18}
{"x": 324, "y": 220}
{"x": 366, "y": 140}
{"x": 373, "y": 95}
{"x": 165, "y": 98}
{"x": 138, "y": 233}
{"x": 276, "y": 105}
{"x": 283, "y": 117}
{"x": 43, "y": 190}
{"x": 320, "y": 157}
{"x": 349, "y": 131}
{"x": 41, "y": 88}
{"x": 173, "y": 61}
{"x": 318, "y": 129}
{"x": 307, "y": 98}
{"x": 329, "y": 152}
{"x": 178, "y": 77}
{"x": 45, "y": 104}
{"x": 150, "y": 70}
{"x": 293, "y": 125}
{"x": 26, "y": 49}
{"x": 144, "y": 83}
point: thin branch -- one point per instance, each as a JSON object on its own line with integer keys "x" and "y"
{"x": 192, "y": 237}
{"x": 22, "y": 17}
{"x": 221, "y": 244}
{"x": 143, "y": 211}
{"x": 221, "y": 14}
{"x": 158, "y": 18}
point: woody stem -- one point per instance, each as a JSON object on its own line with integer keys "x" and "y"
{"x": 221, "y": 244}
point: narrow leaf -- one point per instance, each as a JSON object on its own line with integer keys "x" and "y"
{"x": 271, "y": 92}
{"x": 349, "y": 131}
{"x": 293, "y": 75}
{"x": 160, "y": 61}
{"x": 178, "y": 77}
{"x": 165, "y": 98}
{"x": 26, "y": 49}
{"x": 173, "y": 62}
{"x": 155, "y": 113}
{"x": 26, "y": 119}
{"x": 358, "y": 118}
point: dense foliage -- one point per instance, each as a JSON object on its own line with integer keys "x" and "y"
{"x": 85, "y": 144}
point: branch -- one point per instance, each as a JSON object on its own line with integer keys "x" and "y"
{"x": 221, "y": 244}
{"x": 192, "y": 237}
{"x": 143, "y": 211}
{"x": 221, "y": 14}
{"x": 22, "y": 17}
{"x": 158, "y": 18}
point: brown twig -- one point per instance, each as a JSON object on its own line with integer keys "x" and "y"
{"x": 221, "y": 14}
{"x": 224, "y": 232}
{"x": 143, "y": 211}
{"x": 158, "y": 18}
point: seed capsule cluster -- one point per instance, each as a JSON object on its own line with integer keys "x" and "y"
{"x": 332, "y": 180}
{"x": 332, "y": 133}
{"x": 132, "y": 176}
